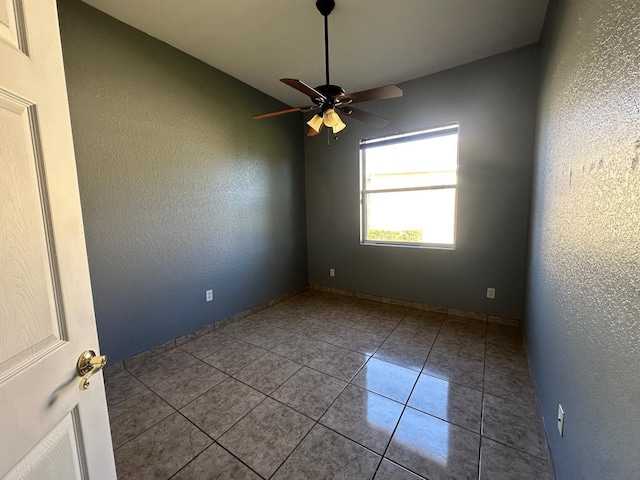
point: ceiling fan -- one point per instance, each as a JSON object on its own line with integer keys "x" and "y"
{"x": 330, "y": 99}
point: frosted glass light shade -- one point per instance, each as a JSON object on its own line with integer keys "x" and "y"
{"x": 315, "y": 122}
{"x": 338, "y": 127}
{"x": 331, "y": 118}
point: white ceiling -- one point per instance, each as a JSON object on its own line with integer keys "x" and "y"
{"x": 372, "y": 42}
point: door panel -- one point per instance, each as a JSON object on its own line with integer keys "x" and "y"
{"x": 28, "y": 292}
{"x": 11, "y": 27}
{"x": 55, "y": 456}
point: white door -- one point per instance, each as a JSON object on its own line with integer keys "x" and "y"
{"x": 49, "y": 428}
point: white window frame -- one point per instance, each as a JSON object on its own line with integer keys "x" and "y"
{"x": 443, "y": 130}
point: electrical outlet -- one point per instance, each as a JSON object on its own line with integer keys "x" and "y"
{"x": 332, "y": 272}
{"x": 560, "y": 420}
{"x": 491, "y": 292}
{"x": 209, "y": 295}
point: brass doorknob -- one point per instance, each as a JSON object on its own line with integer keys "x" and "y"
{"x": 88, "y": 364}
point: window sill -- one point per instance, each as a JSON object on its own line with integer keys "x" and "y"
{"x": 428, "y": 246}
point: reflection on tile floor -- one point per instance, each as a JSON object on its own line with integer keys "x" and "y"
{"x": 324, "y": 386}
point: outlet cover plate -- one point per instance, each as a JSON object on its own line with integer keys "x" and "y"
{"x": 560, "y": 420}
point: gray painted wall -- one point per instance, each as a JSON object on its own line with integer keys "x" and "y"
{"x": 583, "y": 315}
{"x": 181, "y": 190}
{"x": 494, "y": 100}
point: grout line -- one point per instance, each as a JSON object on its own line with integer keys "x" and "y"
{"x": 156, "y": 423}
{"x": 215, "y": 441}
{"x": 246, "y": 365}
{"x": 406, "y": 405}
{"x": 404, "y": 408}
{"x": 514, "y": 448}
{"x": 192, "y": 459}
{"x": 317, "y": 422}
{"x": 237, "y": 458}
{"x": 177, "y": 410}
{"x": 484, "y": 373}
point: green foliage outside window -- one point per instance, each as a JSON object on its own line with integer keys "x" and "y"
{"x": 395, "y": 235}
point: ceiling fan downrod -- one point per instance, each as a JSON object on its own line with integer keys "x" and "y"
{"x": 325, "y": 7}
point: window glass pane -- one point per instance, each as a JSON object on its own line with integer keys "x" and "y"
{"x": 424, "y": 216}
{"x": 420, "y": 163}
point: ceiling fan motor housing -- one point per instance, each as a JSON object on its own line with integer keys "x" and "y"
{"x": 331, "y": 92}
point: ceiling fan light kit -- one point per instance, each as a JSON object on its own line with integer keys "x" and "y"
{"x": 331, "y": 99}
{"x": 329, "y": 118}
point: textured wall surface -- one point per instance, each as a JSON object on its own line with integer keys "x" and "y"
{"x": 181, "y": 190}
{"x": 583, "y": 314}
{"x": 495, "y": 102}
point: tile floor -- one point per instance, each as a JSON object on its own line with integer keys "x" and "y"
{"x": 324, "y": 386}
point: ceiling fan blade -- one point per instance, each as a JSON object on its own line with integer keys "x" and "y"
{"x": 363, "y": 116}
{"x": 282, "y": 112}
{"x": 379, "y": 93}
{"x": 303, "y": 87}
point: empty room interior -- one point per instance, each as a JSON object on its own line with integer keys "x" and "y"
{"x": 447, "y": 288}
